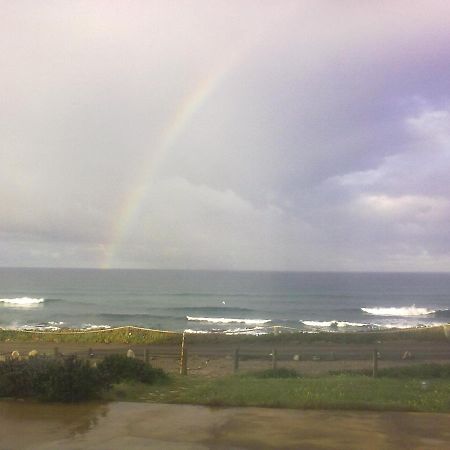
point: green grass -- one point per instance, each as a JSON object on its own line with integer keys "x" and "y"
{"x": 281, "y": 372}
{"x": 423, "y": 371}
{"x": 329, "y": 392}
{"x": 133, "y": 335}
{"x": 122, "y": 335}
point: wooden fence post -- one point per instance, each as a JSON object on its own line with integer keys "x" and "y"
{"x": 146, "y": 356}
{"x": 375, "y": 363}
{"x": 236, "y": 360}
{"x": 183, "y": 360}
{"x": 274, "y": 359}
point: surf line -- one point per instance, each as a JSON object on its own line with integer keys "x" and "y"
{"x": 130, "y": 209}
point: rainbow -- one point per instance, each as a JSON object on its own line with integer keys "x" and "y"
{"x": 130, "y": 209}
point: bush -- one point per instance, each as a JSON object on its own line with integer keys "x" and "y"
{"x": 117, "y": 368}
{"x": 68, "y": 380}
{"x": 15, "y": 379}
{"x": 71, "y": 379}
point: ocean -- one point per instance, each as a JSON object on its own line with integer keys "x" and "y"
{"x": 231, "y": 302}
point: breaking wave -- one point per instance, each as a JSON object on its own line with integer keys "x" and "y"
{"x": 46, "y": 326}
{"x": 228, "y": 320}
{"x": 333, "y": 323}
{"x": 24, "y": 302}
{"x": 405, "y": 311}
{"x": 90, "y": 326}
{"x": 400, "y": 324}
{"x": 256, "y": 331}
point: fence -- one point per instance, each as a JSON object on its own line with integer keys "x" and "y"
{"x": 216, "y": 360}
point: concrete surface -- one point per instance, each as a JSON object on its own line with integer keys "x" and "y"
{"x": 130, "y": 426}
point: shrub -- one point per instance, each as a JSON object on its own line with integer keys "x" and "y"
{"x": 117, "y": 368}
{"x": 15, "y": 379}
{"x": 68, "y": 380}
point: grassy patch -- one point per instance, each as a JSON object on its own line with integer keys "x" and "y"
{"x": 422, "y": 371}
{"x": 282, "y": 372}
{"x": 121, "y": 335}
{"x": 330, "y": 392}
{"x": 136, "y": 335}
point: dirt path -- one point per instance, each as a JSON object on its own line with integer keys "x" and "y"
{"x": 158, "y": 426}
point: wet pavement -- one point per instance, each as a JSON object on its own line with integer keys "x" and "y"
{"x": 121, "y": 425}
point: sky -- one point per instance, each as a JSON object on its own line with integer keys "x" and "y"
{"x": 235, "y": 135}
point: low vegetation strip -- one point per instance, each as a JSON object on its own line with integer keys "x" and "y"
{"x": 136, "y": 335}
{"x": 422, "y": 371}
{"x": 330, "y": 392}
{"x": 121, "y": 335}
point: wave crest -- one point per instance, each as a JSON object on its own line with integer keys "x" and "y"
{"x": 404, "y": 311}
{"x": 24, "y": 302}
{"x": 228, "y": 320}
{"x": 335, "y": 323}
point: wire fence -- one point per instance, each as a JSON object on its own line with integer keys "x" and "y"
{"x": 216, "y": 360}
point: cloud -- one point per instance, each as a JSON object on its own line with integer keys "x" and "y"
{"x": 325, "y": 148}
{"x": 196, "y": 226}
{"x": 413, "y": 208}
{"x": 433, "y": 125}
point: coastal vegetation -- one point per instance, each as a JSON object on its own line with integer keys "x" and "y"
{"x": 291, "y": 390}
{"x": 71, "y": 379}
{"x": 120, "y": 335}
{"x": 420, "y": 387}
{"x": 118, "y": 368}
{"x": 136, "y": 335}
{"x": 422, "y": 371}
{"x": 67, "y": 380}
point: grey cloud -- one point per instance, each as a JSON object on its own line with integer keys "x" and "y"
{"x": 325, "y": 148}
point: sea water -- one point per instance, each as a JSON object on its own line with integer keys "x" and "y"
{"x": 231, "y": 302}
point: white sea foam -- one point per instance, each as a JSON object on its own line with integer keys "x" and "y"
{"x": 227, "y": 320}
{"x": 22, "y": 302}
{"x": 90, "y": 326}
{"x": 404, "y": 325}
{"x": 257, "y": 331}
{"x": 190, "y": 331}
{"x": 339, "y": 324}
{"x": 405, "y": 311}
{"x": 49, "y": 326}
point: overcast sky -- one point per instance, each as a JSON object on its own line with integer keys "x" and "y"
{"x": 254, "y": 135}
